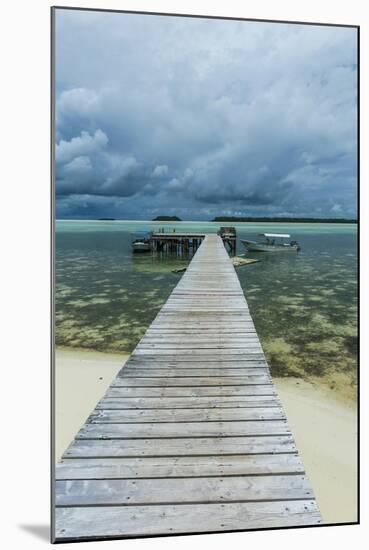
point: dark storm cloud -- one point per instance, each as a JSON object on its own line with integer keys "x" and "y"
{"x": 199, "y": 118}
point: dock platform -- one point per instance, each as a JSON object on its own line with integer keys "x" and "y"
{"x": 190, "y": 437}
{"x": 183, "y": 242}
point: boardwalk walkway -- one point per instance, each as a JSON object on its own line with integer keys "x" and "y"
{"x": 190, "y": 436}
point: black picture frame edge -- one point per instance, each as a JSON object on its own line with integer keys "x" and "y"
{"x": 202, "y": 16}
{"x": 52, "y": 274}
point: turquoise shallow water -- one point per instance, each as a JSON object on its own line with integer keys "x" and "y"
{"x": 304, "y": 305}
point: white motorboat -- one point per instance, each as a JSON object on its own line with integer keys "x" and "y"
{"x": 272, "y": 242}
{"x": 142, "y": 242}
{"x": 141, "y": 246}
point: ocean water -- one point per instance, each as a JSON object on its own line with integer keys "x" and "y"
{"x": 304, "y": 305}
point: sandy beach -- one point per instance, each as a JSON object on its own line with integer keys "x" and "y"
{"x": 324, "y": 425}
{"x": 81, "y": 379}
{"x": 322, "y": 422}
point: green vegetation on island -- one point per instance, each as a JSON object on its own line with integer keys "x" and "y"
{"x": 167, "y": 219}
{"x": 280, "y": 219}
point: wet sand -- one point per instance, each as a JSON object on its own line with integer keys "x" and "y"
{"x": 322, "y": 422}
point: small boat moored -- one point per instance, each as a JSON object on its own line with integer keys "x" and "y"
{"x": 142, "y": 242}
{"x": 273, "y": 242}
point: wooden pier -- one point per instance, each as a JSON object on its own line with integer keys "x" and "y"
{"x": 190, "y": 437}
{"x": 181, "y": 243}
{"x": 176, "y": 242}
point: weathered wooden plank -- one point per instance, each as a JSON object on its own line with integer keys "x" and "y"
{"x": 199, "y": 335}
{"x": 177, "y": 446}
{"x": 191, "y": 391}
{"x": 202, "y": 320}
{"x": 186, "y": 415}
{"x": 217, "y": 344}
{"x": 180, "y": 466}
{"x": 198, "y": 351}
{"x": 212, "y": 319}
{"x": 205, "y": 366}
{"x": 131, "y": 371}
{"x": 185, "y": 346}
{"x": 198, "y": 366}
{"x": 131, "y": 521}
{"x": 101, "y": 430}
{"x": 188, "y": 381}
{"x": 230, "y": 302}
{"x": 212, "y": 361}
{"x": 204, "y": 306}
{"x": 193, "y": 309}
{"x": 176, "y": 323}
{"x": 187, "y": 402}
{"x": 187, "y": 360}
{"x": 181, "y": 490}
{"x": 206, "y": 303}
{"x": 239, "y": 331}
{"x": 217, "y": 317}
{"x": 240, "y": 359}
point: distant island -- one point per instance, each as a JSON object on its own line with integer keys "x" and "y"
{"x": 281, "y": 220}
{"x": 106, "y": 219}
{"x": 167, "y": 219}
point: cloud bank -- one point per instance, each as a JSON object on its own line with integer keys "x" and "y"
{"x": 195, "y": 117}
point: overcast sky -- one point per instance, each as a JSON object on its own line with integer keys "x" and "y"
{"x": 198, "y": 117}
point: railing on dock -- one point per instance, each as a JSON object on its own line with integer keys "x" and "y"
{"x": 176, "y": 242}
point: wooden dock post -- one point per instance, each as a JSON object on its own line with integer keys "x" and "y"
{"x": 229, "y": 238}
{"x": 190, "y": 437}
